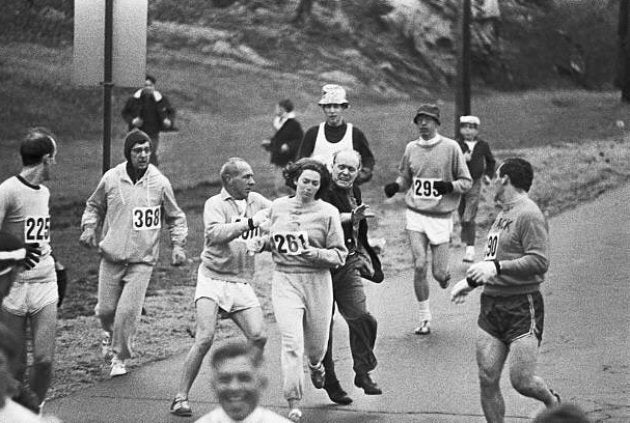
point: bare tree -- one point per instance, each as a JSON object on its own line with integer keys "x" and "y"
{"x": 623, "y": 61}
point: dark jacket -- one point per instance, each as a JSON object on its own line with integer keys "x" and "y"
{"x": 482, "y": 160}
{"x": 151, "y": 111}
{"x": 290, "y": 133}
{"x": 338, "y": 197}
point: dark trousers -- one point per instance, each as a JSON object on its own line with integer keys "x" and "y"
{"x": 350, "y": 299}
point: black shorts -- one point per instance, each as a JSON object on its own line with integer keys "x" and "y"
{"x": 513, "y": 317}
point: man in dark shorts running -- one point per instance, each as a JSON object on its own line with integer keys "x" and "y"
{"x": 512, "y": 314}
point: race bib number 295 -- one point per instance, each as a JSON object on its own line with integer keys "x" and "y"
{"x": 36, "y": 229}
{"x": 424, "y": 188}
{"x": 147, "y": 218}
{"x": 291, "y": 243}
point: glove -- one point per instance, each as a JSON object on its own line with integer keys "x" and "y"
{"x": 460, "y": 291}
{"x": 137, "y": 122}
{"x": 88, "y": 237}
{"x": 33, "y": 254}
{"x": 442, "y": 187}
{"x": 391, "y": 189}
{"x": 481, "y": 272}
{"x": 260, "y": 217}
{"x": 178, "y": 256}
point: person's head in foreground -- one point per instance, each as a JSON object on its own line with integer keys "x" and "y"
{"x": 137, "y": 149}
{"x": 427, "y": 119}
{"x": 308, "y": 177}
{"x": 563, "y": 413}
{"x": 237, "y": 379}
{"x": 469, "y": 127}
{"x": 333, "y": 103}
{"x": 513, "y": 177}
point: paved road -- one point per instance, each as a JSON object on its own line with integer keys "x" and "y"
{"x": 585, "y": 353}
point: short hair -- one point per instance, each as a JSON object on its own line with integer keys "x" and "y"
{"x": 150, "y": 78}
{"x": 520, "y": 172}
{"x": 562, "y": 413}
{"x": 233, "y": 350}
{"x": 356, "y": 153}
{"x": 286, "y": 104}
{"x": 230, "y": 168}
{"x": 293, "y": 171}
{"x": 38, "y": 142}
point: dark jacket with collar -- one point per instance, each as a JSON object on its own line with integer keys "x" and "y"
{"x": 338, "y": 197}
{"x": 482, "y": 160}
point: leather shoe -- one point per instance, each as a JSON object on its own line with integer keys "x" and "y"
{"x": 337, "y": 394}
{"x": 364, "y": 381}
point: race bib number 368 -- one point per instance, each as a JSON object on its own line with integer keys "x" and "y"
{"x": 424, "y": 188}
{"x": 291, "y": 243}
{"x": 36, "y": 229}
{"x": 147, "y": 218}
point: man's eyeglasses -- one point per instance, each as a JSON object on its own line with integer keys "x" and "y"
{"x": 138, "y": 150}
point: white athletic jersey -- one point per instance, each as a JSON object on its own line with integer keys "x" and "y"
{"x": 259, "y": 415}
{"x": 324, "y": 150}
{"x": 24, "y": 213}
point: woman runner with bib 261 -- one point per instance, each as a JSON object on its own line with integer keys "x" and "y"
{"x": 306, "y": 240}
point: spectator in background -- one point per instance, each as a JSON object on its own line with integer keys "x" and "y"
{"x": 322, "y": 141}
{"x": 480, "y": 162}
{"x": 151, "y": 112}
{"x": 238, "y": 382}
{"x": 283, "y": 145}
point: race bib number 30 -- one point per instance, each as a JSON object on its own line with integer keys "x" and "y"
{"x": 291, "y": 243}
{"x": 147, "y": 218}
{"x": 424, "y": 188}
{"x": 491, "y": 246}
{"x": 36, "y": 229}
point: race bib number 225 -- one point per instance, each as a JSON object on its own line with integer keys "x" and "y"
{"x": 36, "y": 229}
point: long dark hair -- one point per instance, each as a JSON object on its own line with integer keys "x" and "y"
{"x": 293, "y": 171}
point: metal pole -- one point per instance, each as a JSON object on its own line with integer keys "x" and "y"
{"x": 108, "y": 85}
{"x": 462, "y": 92}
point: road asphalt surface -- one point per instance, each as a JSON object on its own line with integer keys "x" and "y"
{"x": 585, "y": 355}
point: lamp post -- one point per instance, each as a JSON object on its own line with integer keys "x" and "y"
{"x": 462, "y": 91}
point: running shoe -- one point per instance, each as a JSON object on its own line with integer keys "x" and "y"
{"x": 295, "y": 415}
{"x": 106, "y": 346}
{"x": 469, "y": 257}
{"x": 423, "y": 329}
{"x": 181, "y": 407}
{"x": 118, "y": 367}
{"x": 318, "y": 375}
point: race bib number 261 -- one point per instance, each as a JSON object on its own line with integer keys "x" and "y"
{"x": 291, "y": 243}
{"x": 147, "y": 218}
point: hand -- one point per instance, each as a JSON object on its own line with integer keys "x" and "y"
{"x": 284, "y": 148}
{"x": 391, "y": 189}
{"x": 310, "y": 253}
{"x": 460, "y": 291}
{"x": 361, "y": 212}
{"x": 33, "y": 253}
{"x": 137, "y": 122}
{"x": 482, "y": 271}
{"x": 486, "y": 179}
{"x": 261, "y": 217}
{"x": 468, "y": 156}
{"x": 88, "y": 238}
{"x": 167, "y": 123}
{"x": 442, "y": 187}
{"x": 178, "y": 256}
{"x": 255, "y": 245}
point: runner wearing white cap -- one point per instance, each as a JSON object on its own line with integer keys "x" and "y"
{"x": 335, "y": 134}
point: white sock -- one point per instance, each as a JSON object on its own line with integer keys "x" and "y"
{"x": 425, "y": 311}
{"x": 470, "y": 249}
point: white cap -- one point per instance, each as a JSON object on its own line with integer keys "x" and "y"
{"x": 474, "y": 120}
{"x": 333, "y": 94}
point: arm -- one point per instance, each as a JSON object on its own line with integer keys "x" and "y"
{"x": 490, "y": 161}
{"x": 129, "y": 111}
{"x": 293, "y": 138}
{"x": 174, "y": 217}
{"x": 462, "y": 181}
{"x": 95, "y": 207}
{"x": 360, "y": 144}
{"x": 217, "y": 229}
{"x": 308, "y": 143}
{"x": 334, "y": 255}
{"x": 534, "y": 237}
